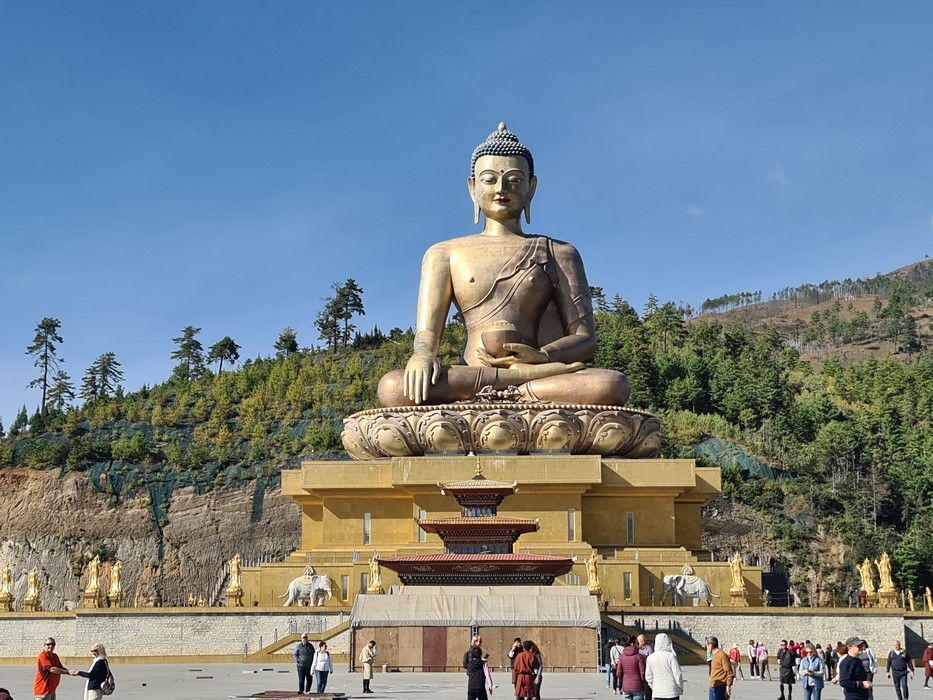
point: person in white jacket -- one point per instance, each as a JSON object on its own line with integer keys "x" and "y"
{"x": 662, "y": 670}
{"x": 322, "y": 666}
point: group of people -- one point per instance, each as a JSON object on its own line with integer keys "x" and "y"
{"x": 626, "y": 669}
{"x": 311, "y": 661}
{"x": 318, "y": 662}
{"x": 49, "y": 672}
{"x": 525, "y": 662}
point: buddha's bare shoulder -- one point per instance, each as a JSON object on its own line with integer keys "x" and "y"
{"x": 459, "y": 244}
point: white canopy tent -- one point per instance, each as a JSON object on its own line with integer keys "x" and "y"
{"x": 478, "y": 606}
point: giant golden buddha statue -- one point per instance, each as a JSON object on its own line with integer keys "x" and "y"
{"x": 529, "y": 291}
{"x": 526, "y": 304}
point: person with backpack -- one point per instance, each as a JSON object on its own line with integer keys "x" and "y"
{"x": 899, "y": 666}
{"x": 97, "y": 675}
{"x": 615, "y": 653}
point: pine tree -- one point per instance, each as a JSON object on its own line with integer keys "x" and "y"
{"x": 287, "y": 342}
{"x": 224, "y": 349}
{"x": 61, "y": 392}
{"x": 333, "y": 321}
{"x": 349, "y": 303}
{"x": 190, "y": 352}
{"x": 43, "y": 349}
{"x": 102, "y": 379}
{"x": 19, "y": 423}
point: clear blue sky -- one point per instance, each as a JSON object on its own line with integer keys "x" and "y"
{"x": 220, "y": 164}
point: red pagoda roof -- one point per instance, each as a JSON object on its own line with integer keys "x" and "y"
{"x": 453, "y": 564}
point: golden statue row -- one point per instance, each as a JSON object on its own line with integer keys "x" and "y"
{"x": 886, "y": 594}
{"x": 32, "y": 601}
{"x": 92, "y": 596}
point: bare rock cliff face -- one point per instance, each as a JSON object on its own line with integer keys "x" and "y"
{"x": 57, "y": 524}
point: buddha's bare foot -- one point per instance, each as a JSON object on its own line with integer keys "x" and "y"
{"x": 519, "y": 374}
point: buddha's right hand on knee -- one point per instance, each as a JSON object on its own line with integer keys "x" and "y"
{"x": 421, "y": 372}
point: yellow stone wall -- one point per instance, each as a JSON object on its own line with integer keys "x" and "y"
{"x": 664, "y": 497}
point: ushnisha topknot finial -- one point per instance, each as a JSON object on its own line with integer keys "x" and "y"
{"x": 502, "y": 142}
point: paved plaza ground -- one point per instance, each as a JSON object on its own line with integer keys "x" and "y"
{"x": 218, "y": 681}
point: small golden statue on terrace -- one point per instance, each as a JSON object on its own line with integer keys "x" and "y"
{"x": 6, "y": 594}
{"x": 886, "y": 584}
{"x": 375, "y": 575}
{"x": 592, "y": 574}
{"x": 865, "y": 573}
{"x": 32, "y": 602}
{"x": 738, "y": 579}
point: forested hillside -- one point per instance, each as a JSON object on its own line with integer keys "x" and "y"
{"x": 827, "y": 454}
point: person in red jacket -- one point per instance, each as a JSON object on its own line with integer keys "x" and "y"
{"x": 631, "y": 673}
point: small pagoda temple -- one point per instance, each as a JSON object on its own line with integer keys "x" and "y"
{"x": 479, "y": 543}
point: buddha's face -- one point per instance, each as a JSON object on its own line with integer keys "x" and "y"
{"x": 501, "y": 186}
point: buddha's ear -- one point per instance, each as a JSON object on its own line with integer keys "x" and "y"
{"x": 471, "y": 186}
{"x": 532, "y": 186}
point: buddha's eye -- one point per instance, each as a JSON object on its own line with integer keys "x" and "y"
{"x": 488, "y": 180}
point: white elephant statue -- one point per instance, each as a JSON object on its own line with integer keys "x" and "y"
{"x": 683, "y": 586}
{"x": 310, "y": 589}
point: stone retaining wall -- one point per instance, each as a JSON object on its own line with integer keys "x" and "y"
{"x": 819, "y": 625}
{"x": 158, "y": 632}
{"x": 161, "y": 634}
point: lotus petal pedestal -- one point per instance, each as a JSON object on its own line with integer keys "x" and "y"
{"x": 502, "y": 428}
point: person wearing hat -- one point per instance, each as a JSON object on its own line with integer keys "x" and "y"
{"x": 735, "y": 658}
{"x": 852, "y": 676}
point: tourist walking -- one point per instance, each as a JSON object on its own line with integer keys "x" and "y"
{"x": 870, "y": 662}
{"x": 614, "y": 655}
{"x": 831, "y": 657}
{"x": 662, "y": 670}
{"x": 735, "y": 658}
{"x": 368, "y": 658}
{"x": 96, "y": 674}
{"x": 852, "y": 676}
{"x": 304, "y": 656}
{"x": 646, "y": 650}
{"x": 927, "y": 665}
{"x": 479, "y": 679}
{"x": 49, "y": 672}
{"x": 322, "y": 665}
{"x": 751, "y": 652}
{"x": 787, "y": 670}
{"x": 631, "y": 673}
{"x": 811, "y": 674}
{"x": 607, "y": 661}
{"x": 720, "y": 671}
{"x": 761, "y": 652}
{"x": 898, "y": 667}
